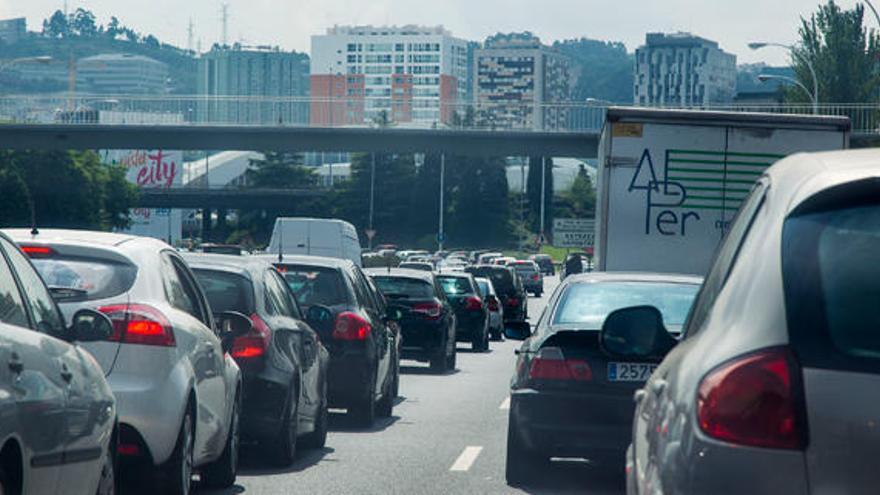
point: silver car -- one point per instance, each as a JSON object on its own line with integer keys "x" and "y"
{"x": 496, "y": 311}
{"x": 773, "y": 387}
{"x": 177, "y": 389}
{"x": 58, "y": 433}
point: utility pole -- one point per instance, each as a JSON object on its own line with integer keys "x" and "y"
{"x": 522, "y": 204}
{"x": 372, "y": 196}
{"x": 224, "y": 13}
{"x": 440, "y": 233}
{"x": 190, "y": 35}
{"x": 543, "y": 199}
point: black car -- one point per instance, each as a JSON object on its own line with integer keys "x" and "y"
{"x": 361, "y": 333}
{"x": 428, "y": 327}
{"x": 471, "y": 310}
{"x": 282, "y": 360}
{"x": 508, "y": 287}
{"x": 570, "y": 398}
{"x": 574, "y": 264}
{"x": 545, "y": 263}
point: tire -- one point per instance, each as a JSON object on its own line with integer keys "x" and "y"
{"x": 107, "y": 483}
{"x": 451, "y": 360}
{"x": 5, "y": 486}
{"x": 176, "y": 473}
{"x": 364, "y": 412}
{"x": 385, "y": 407}
{"x": 395, "y": 387}
{"x": 481, "y": 342}
{"x": 283, "y": 447}
{"x": 221, "y": 473}
{"x": 522, "y": 464}
{"x": 318, "y": 438}
{"x": 440, "y": 362}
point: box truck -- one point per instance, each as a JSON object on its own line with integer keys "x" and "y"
{"x": 671, "y": 181}
{"x": 329, "y": 238}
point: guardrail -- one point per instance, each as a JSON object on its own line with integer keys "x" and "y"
{"x": 568, "y": 116}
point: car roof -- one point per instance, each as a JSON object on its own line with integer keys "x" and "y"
{"x": 58, "y": 236}
{"x": 231, "y": 263}
{"x": 401, "y": 273}
{"x": 674, "y": 278}
{"x": 455, "y": 274}
{"x": 299, "y": 259}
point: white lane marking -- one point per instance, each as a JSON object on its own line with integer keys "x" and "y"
{"x": 466, "y": 459}
{"x": 505, "y": 404}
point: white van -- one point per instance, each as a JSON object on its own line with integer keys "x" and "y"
{"x": 330, "y": 238}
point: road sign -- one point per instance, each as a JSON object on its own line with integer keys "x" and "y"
{"x": 573, "y": 232}
{"x": 370, "y": 233}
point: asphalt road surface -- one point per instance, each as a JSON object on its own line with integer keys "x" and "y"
{"x": 448, "y": 435}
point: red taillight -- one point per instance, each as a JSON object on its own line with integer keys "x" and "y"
{"x": 512, "y": 302}
{"x": 493, "y": 304}
{"x": 473, "y": 303}
{"x": 550, "y": 364}
{"x": 535, "y": 277}
{"x": 429, "y": 310}
{"x": 254, "y": 343}
{"x": 350, "y": 326}
{"x": 753, "y": 400}
{"x": 139, "y": 324}
{"x": 128, "y": 449}
{"x": 36, "y": 251}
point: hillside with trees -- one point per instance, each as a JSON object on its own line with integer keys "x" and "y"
{"x": 604, "y": 69}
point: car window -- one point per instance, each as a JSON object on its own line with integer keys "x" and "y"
{"x": 179, "y": 290}
{"x": 403, "y": 287}
{"x": 725, "y": 258}
{"x": 368, "y": 292}
{"x": 44, "y": 311}
{"x": 226, "y": 291}
{"x": 586, "y": 305}
{"x": 278, "y": 296}
{"x": 12, "y": 310}
{"x": 88, "y": 278}
{"x": 455, "y": 286}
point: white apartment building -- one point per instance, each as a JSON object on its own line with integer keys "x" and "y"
{"x": 681, "y": 69}
{"x": 413, "y": 74}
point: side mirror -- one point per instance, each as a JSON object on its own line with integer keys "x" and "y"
{"x": 232, "y": 324}
{"x": 517, "y": 330}
{"x": 90, "y": 326}
{"x": 636, "y": 332}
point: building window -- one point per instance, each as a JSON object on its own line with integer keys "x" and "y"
{"x": 398, "y": 47}
{"x": 352, "y": 47}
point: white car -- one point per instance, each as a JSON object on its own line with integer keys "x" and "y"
{"x": 177, "y": 389}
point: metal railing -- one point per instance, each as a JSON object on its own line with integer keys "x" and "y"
{"x": 570, "y": 116}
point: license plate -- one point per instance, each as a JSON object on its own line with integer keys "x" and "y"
{"x": 630, "y": 372}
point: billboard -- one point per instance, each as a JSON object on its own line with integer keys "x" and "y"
{"x": 573, "y": 232}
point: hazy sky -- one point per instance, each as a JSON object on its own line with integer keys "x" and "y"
{"x": 289, "y": 23}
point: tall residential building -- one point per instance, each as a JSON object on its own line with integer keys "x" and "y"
{"x": 12, "y": 30}
{"x": 409, "y": 74}
{"x": 520, "y": 83}
{"x": 280, "y": 77}
{"x": 121, "y": 74}
{"x": 681, "y": 69}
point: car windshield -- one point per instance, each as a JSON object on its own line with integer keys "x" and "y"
{"x": 402, "y": 287}
{"x": 586, "y": 305}
{"x": 226, "y": 291}
{"x": 314, "y": 285}
{"x": 87, "y": 278}
{"x": 501, "y": 278}
{"x": 455, "y": 286}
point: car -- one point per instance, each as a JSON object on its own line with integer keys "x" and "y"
{"x": 574, "y": 264}
{"x": 471, "y": 310}
{"x": 545, "y": 263}
{"x": 487, "y": 258}
{"x": 530, "y": 275}
{"x": 452, "y": 265}
{"x": 361, "y": 333}
{"x": 770, "y": 388}
{"x": 178, "y": 391}
{"x": 419, "y": 258}
{"x": 59, "y": 431}
{"x": 428, "y": 324}
{"x": 508, "y": 287}
{"x": 417, "y": 265}
{"x": 282, "y": 360}
{"x": 496, "y": 311}
{"x": 568, "y": 398}
{"x": 329, "y": 237}
{"x": 503, "y": 260}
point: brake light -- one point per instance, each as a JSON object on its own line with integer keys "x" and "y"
{"x": 128, "y": 449}
{"x": 253, "y": 344}
{"x": 139, "y": 324}
{"x": 350, "y": 326}
{"x": 473, "y": 303}
{"x": 430, "y": 310}
{"x": 753, "y": 401}
{"x": 493, "y": 304}
{"x": 512, "y": 302}
{"x": 535, "y": 277}
{"x": 550, "y": 364}
{"x": 36, "y": 251}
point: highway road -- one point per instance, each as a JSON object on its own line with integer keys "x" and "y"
{"x": 448, "y": 435}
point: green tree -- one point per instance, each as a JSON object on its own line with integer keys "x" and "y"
{"x": 56, "y": 26}
{"x": 280, "y": 170}
{"x": 582, "y": 196}
{"x": 533, "y": 192}
{"x": 478, "y": 204}
{"x": 15, "y": 200}
{"x": 842, "y": 51}
{"x": 83, "y": 23}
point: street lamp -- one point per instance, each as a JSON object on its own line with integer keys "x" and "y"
{"x": 871, "y": 6}
{"x": 791, "y": 80}
{"x": 814, "y": 95}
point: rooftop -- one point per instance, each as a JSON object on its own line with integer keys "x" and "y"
{"x": 407, "y": 30}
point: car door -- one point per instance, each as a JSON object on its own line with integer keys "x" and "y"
{"x": 33, "y": 376}
{"x": 202, "y": 347}
{"x": 380, "y": 330}
{"x": 88, "y": 415}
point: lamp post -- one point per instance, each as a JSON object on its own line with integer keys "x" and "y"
{"x": 814, "y": 95}
{"x": 873, "y": 10}
{"x": 791, "y": 80}
{"x": 441, "y": 236}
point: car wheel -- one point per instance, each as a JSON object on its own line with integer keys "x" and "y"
{"x": 284, "y": 446}
{"x": 440, "y": 362}
{"x": 318, "y": 438}
{"x": 522, "y": 463}
{"x": 364, "y": 412}
{"x": 221, "y": 473}
{"x": 107, "y": 481}
{"x": 451, "y": 360}
{"x": 386, "y": 405}
{"x": 177, "y": 472}
{"x": 395, "y": 387}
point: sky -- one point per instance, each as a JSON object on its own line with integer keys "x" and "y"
{"x": 290, "y": 23}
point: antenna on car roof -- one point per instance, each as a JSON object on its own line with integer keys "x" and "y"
{"x": 280, "y": 242}
{"x": 34, "y": 230}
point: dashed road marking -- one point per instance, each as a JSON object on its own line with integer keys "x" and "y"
{"x": 505, "y": 404}
{"x": 466, "y": 459}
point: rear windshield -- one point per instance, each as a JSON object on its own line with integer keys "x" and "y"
{"x": 501, "y": 278}
{"x": 525, "y": 268}
{"x": 315, "y": 285}
{"x": 88, "y": 278}
{"x": 831, "y": 274}
{"x": 226, "y": 291}
{"x": 405, "y": 288}
{"x": 455, "y": 286}
{"x": 587, "y": 304}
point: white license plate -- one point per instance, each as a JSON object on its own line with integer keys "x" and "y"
{"x": 630, "y": 372}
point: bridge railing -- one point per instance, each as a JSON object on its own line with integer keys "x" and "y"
{"x": 566, "y": 116}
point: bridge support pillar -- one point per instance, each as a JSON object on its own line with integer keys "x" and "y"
{"x": 206, "y": 224}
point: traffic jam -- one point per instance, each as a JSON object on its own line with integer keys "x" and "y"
{"x": 695, "y": 348}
